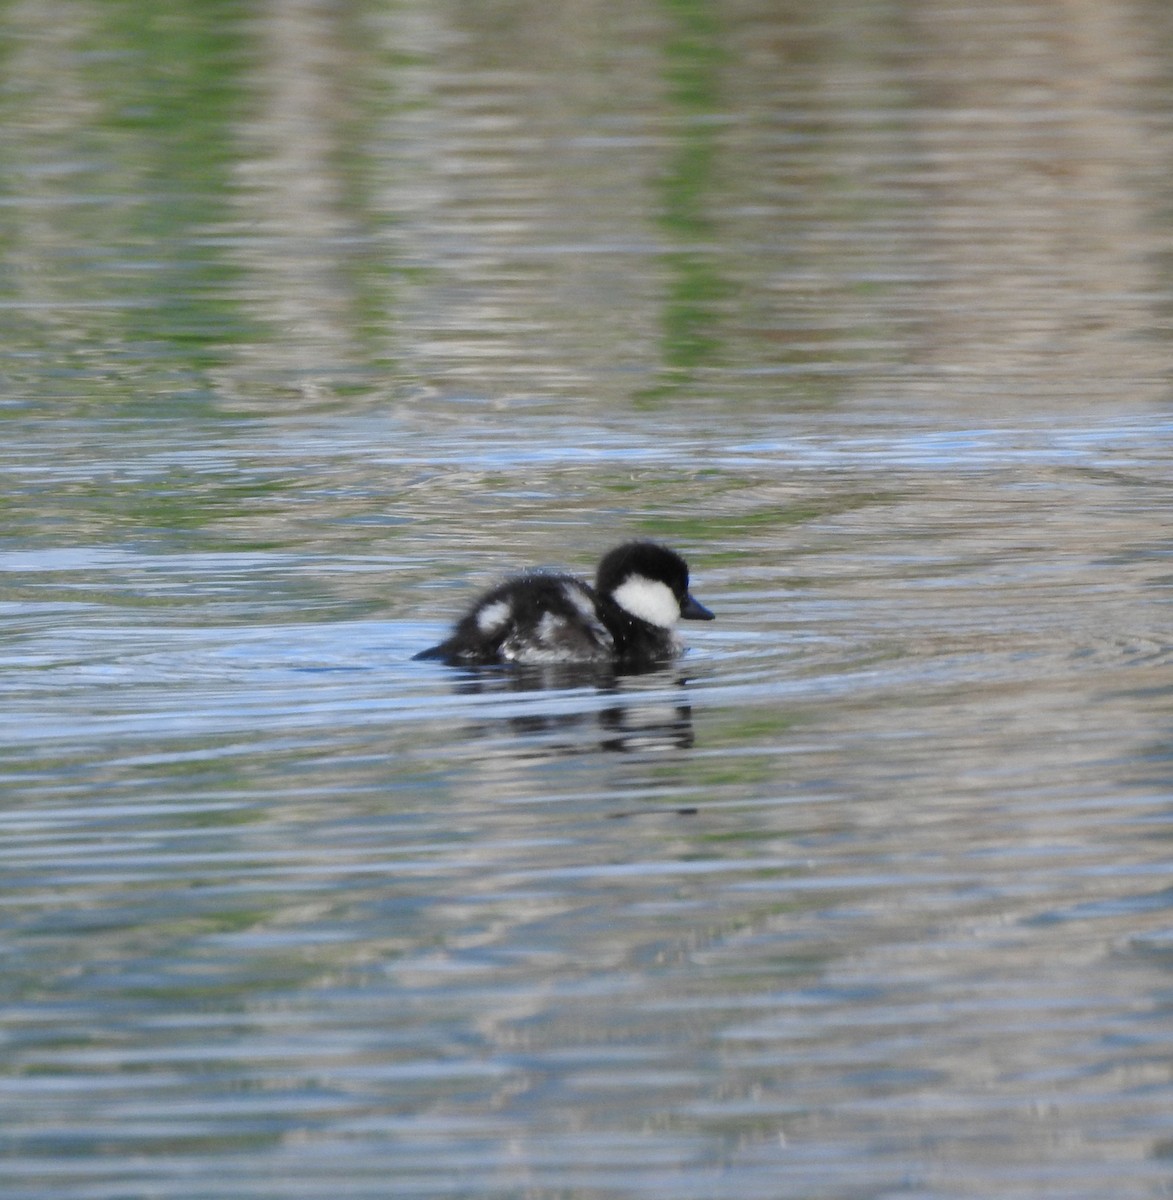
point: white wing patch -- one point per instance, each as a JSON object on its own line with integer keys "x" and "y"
{"x": 648, "y": 599}
{"x": 584, "y": 605}
{"x": 547, "y": 645}
{"x": 582, "y": 602}
{"x": 493, "y": 616}
{"x": 549, "y": 627}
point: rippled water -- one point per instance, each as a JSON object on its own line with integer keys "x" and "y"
{"x": 321, "y": 316}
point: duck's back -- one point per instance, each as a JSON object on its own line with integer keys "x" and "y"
{"x": 536, "y": 618}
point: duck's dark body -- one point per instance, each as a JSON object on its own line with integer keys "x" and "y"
{"x": 640, "y": 591}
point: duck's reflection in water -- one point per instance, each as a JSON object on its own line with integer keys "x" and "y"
{"x": 617, "y": 711}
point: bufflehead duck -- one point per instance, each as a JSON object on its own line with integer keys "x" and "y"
{"x": 627, "y": 618}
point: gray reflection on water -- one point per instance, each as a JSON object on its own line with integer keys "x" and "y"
{"x": 318, "y": 323}
{"x": 643, "y": 711}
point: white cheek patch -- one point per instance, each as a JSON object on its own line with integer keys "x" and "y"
{"x": 493, "y": 616}
{"x": 649, "y": 600}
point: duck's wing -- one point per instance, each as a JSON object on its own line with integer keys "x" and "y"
{"x": 555, "y": 620}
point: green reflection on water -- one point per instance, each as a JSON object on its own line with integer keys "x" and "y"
{"x": 120, "y": 187}
{"x": 714, "y": 525}
{"x": 694, "y": 284}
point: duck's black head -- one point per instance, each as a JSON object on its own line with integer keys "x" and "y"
{"x": 649, "y": 582}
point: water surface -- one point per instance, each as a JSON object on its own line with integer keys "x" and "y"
{"x": 318, "y": 317}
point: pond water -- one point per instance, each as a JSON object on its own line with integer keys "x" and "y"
{"x": 319, "y": 317}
